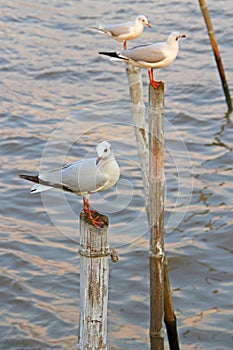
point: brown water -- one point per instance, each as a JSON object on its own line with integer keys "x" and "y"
{"x": 58, "y": 100}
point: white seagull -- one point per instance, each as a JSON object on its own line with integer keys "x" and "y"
{"x": 82, "y": 177}
{"x": 158, "y": 55}
{"x": 125, "y": 31}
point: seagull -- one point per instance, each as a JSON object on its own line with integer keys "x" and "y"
{"x": 158, "y": 55}
{"x": 82, "y": 177}
{"x": 125, "y": 31}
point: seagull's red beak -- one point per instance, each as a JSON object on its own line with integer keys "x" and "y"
{"x": 148, "y": 25}
{"x": 182, "y": 36}
{"x": 97, "y": 160}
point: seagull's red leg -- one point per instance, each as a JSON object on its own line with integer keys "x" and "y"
{"x": 124, "y": 45}
{"x": 153, "y": 83}
{"x": 85, "y": 205}
{"x": 86, "y": 208}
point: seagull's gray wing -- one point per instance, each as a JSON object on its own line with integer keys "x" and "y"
{"x": 80, "y": 177}
{"x": 119, "y": 29}
{"x": 145, "y": 53}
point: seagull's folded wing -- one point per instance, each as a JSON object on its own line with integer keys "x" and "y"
{"x": 120, "y": 30}
{"x": 144, "y": 53}
{"x": 80, "y": 177}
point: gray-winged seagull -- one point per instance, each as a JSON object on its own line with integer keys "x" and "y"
{"x": 82, "y": 177}
{"x": 150, "y": 56}
{"x": 125, "y": 31}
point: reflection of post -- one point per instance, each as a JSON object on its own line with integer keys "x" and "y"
{"x": 216, "y": 52}
{"x": 169, "y": 315}
{"x": 139, "y": 122}
{"x": 94, "y": 273}
{"x": 156, "y": 185}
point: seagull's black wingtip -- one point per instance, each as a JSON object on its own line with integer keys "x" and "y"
{"x": 111, "y": 54}
{"x": 30, "y": 178}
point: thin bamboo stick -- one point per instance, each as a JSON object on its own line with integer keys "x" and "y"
{"x": 216, "y": 52}
{"x": 156, "y": 184}
{"x": 94, "y": 275}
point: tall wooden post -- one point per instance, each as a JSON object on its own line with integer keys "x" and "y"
{"x": 141, "y": 133}
{"x": 94, "y": 274}
{"x": 216, "y": 52}
{"x": 156, "y": 204}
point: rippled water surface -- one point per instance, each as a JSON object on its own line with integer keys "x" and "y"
{"x": 59, "y": 98}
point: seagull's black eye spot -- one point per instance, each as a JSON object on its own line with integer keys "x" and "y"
{"x": 106, "y": 150}
{"x": 177, "y": 38}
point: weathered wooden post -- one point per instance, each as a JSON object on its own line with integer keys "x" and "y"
{"x": 158, "y": 260}
{"x": 216, "y": 52}
{"x": 156, "y": 204}
{"x": 94, "y": 274}
{"x": 141, "y": 133}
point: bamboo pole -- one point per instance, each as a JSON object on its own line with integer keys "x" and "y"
{"x": 216, "y": 52}
{"x": 139, "y": 120}
{"x": 156, "y": 183}
{"x": 94, "y": 274}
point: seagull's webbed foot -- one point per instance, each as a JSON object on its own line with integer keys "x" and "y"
{"x": 96, "y": 222}
{"x": 154, "y": 83}
{"x": 93, "y": 218}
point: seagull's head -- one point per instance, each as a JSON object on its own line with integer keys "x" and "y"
{"x": 175, "y": 36}
{"x": 104, "y": 151}
{"x": 143, "y": 20}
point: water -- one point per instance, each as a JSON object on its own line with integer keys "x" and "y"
{"x": 58, "y": 100}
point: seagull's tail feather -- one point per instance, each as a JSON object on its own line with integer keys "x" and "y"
{"x": 100, "y": 29}
{"x": 39, "y": 188}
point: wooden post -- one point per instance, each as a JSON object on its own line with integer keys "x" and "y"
{"x": 139, "y": 121}
{"x": 94, "y": 274}
{"x": 156, "y": 182}
{"x": 216, "y": 52}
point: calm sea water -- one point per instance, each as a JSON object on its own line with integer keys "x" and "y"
{"x": 58, "y": 100}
